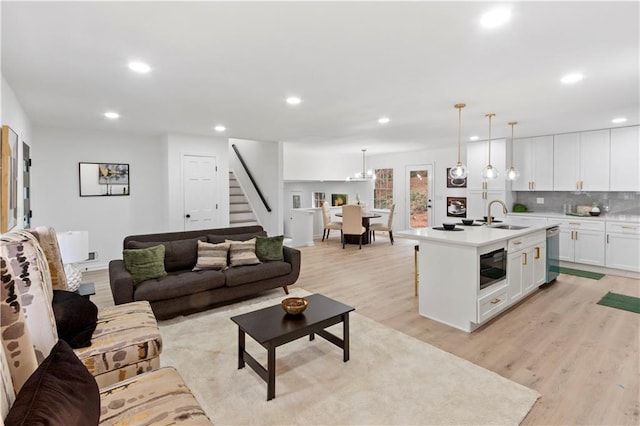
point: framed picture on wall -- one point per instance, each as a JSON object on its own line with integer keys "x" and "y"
{"x": 100, "y": 179}
{"x": 457, "y": 206}
{"x": 9, "y": 180}
{"x": 338, "y": 199}
{"x": 455, "y": 182}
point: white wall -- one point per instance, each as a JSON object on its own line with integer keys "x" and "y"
{"x": 13, "y": 115}
{"x": 312, "y": 162}
{"x": 265, "y": 162}
{"x": 56, "y": 197}
{"x": 178, "y": 145}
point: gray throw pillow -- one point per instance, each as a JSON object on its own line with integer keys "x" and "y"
{"x": 211, "y": 256}
{"x": 243, "y": 252}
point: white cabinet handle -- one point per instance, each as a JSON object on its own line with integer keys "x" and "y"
{"x": 517, "y": 243}
{"x": 607, "y": 238}
{"x": 494, "y": 301}
{"x": 537, "y": 253}
{"x": 524, "y": 259}
{"x": 628, "y": 227}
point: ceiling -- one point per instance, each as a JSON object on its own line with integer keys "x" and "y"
{"x": 234, "y": 63}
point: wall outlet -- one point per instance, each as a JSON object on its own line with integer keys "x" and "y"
{"x": 540, "y": 200}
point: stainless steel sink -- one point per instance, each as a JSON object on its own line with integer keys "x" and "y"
{"x": 509, "y": 227}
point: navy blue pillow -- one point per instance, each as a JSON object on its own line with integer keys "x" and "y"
{"x": 76, "y": 318}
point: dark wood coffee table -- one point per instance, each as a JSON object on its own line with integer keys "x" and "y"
{"x": 272, "y": 327}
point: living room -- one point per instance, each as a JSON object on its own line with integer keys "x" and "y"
{"x": 153, "y": 147}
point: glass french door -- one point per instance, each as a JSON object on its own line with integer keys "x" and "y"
{"x": 418, "y": 197}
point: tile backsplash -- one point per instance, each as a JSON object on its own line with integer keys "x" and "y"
{"x": 554, "y": 202}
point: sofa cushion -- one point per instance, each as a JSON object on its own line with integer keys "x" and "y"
{"x": 160, "y": 397}
{"x": 242, "y": 253}
{"x": 212, "y": 256}
{"x": 269, "y": 248}
{"x": 213, "y": 238}
{"x": 179, "y": 284}
{"x": 60, "y": 392}
{"x": 252, "y": 273}
{"x": 145, "y": 263}
{"x": 179, "y": 255}
{"x": 76, "y": 318}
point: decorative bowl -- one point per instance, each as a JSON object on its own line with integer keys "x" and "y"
{"x": 449, "y": 226}
{"x": 594, "y": 213}
{"x": 467, "y": 221}
{"x": 294, "y": 305}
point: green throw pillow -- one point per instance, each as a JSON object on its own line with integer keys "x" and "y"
{"x": 269, "y": 248}
{"x": 145, "y": 264}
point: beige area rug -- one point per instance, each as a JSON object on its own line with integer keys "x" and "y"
{"x": 390, "y": 379}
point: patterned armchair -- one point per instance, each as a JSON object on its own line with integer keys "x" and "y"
{"x": 126, "y": 341}
{"x": 28, "y": 334}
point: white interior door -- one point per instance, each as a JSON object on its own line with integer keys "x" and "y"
{"x": 419, "y": 188}
{"x": 200, "y": 188}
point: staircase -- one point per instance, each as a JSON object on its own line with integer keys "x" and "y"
{"x": 240, "y": 212}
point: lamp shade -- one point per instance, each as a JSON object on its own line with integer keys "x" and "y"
{"x": 74, "y": 246}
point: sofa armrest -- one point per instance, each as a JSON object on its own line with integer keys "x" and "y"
{"x": 121, "y": 282}
{"x": 292, "y": 256}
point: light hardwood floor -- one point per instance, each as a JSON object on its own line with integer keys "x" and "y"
{"x": 581, "y": 357}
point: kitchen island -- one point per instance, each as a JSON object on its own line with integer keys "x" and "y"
{"x": 470, "y": 275}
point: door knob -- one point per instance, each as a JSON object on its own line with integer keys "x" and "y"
{"x": 188, "y": 216}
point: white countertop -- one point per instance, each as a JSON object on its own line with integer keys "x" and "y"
{"x": 475, "y": 236}
{"x": 602, "y": 218}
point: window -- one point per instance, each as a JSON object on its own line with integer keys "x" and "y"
{"x": 318, "y": 199}
{"x": 383, "y": 190}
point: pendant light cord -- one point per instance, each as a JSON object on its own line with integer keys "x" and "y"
{"x": 490, "y": 115}
{"x": 513, "y": 123}
{"x": 459, "y": 106}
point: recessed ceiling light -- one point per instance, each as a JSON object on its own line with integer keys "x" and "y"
{"x": 383, "y": 120}
{"x": 495, "y": 18}
{"x": 572, "y": 78}
{"x": 619, "y": 120}
{"x": 219, "y": 128}
{"x": 111, "y": 115}
{"x": 474, "y": 138}
{"x": 293, "y": 100}
{"x": 139, "y": 67}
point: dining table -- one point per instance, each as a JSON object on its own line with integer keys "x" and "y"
{"x": 366, "y": 217}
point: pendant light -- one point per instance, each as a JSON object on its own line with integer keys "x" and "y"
{"x": 512, "y": 173}
{"x": 489, "y": 172}
{"x": 460, "y": 170}
{"x": 365, "y": 174}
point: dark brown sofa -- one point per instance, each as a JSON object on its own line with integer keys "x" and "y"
{"x": 184, "y": 291}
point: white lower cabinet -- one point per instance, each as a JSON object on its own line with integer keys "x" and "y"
{"x": 582, "y": 241}
{"x": 526, "y": 264}
{"x": 623, "y": 246}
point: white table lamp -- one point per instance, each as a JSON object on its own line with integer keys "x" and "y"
{"x": 74, "y": 247}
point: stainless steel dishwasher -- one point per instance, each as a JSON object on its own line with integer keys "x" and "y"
{"x": 553, "y": 254}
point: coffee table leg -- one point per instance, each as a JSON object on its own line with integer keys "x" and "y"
{"x": 241, "y": 340}
{"x": 271, "y": 371}
{"x": 345, "y": 336}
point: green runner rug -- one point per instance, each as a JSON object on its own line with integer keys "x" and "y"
{"x": 580, "y": 273}
{"x": 620, "y": 301}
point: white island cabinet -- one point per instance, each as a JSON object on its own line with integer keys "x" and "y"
{"x": 450, "y": 262}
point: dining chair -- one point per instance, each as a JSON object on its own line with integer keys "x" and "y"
{"x": 352, "y": 223}
{"x": 382, "y": 227}
{"x": 327, "y": 223}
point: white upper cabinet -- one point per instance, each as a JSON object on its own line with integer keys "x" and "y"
{"x": 625, "y": 158}
{"x": 533, "y": 158}
{"x": 478, "y": 158}
{"x": 581, "y": 161}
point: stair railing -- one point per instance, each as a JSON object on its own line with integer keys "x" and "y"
{"x": 253, "y": 182}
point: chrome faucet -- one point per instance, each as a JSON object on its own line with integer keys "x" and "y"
{"x": 504, "y": 210}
